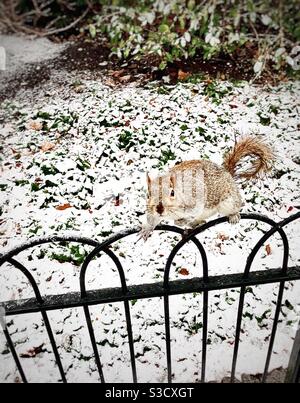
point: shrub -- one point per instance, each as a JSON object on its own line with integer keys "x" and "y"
{"x": 176, "y": 29}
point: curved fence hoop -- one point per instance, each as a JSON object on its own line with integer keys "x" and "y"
{"x": 40, "y": 241}
{"x": 276, "y": 227}
{"x": 8, "y": 256}
{"x": 103, "y": 247}
{"x": 29, "y": 277}
{"x": 289, "y": 219}
{"x": 213, "y": 223}
{"x": 88, "y": 260}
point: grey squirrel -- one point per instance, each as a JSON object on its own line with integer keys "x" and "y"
{"x": 193, "y": 191}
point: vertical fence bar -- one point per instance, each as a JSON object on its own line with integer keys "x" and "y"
{"x": 84, "y": 267}
{"x": 274, "y": 329}
{"x": 168, "y": 338}
{"x": 14, "y": 354}
{"x": 39, "y": 300}
{"x": 54, "y": 346}
{"x": 293, "y": 370}
{"x": 166, "y": 303}
{"x": 237, "y": 332}
{"x": 250, "y": 258}
{"x": 130, "y": 340}
{"x": 93, "y": 341}
{"x": 204, "y": 335}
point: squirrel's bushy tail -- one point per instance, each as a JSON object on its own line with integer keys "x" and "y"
{"x": 260, "y": 153}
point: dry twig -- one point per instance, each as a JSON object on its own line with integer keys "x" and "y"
{"x": 17, "y": 22}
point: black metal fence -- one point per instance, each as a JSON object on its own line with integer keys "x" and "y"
{"x": 165, "y": 289}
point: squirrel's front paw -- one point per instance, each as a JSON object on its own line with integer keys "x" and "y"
{"x": 145, "y": 233}
{"x": 234, "y": 218}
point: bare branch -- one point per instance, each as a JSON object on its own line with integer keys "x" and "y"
{"x": 53, "y": 22}
{"x": 17, "y": 22}
{"x": 59, "y": 30}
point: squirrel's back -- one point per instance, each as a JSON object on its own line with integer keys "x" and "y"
{"x": 218, "y": 182}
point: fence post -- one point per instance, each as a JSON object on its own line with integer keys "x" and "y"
{"x": 293, "y": 370}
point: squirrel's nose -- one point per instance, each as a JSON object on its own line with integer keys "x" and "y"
{"x": 160, "y": 208}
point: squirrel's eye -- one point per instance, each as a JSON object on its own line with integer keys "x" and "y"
{"x": 172, "y": 193}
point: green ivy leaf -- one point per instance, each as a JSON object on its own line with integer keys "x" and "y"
{"x": 92, "y": 30}
{"x": 164, "y": 28}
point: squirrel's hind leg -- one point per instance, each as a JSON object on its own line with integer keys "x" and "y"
{"x": 230, "y": 208}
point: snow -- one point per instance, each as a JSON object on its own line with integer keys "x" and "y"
{"x": 21, "y": 51}
{"x": 105, "y": 140}
{"x": 2, "y": 317}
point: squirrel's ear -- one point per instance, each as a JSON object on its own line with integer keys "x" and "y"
{"x": 172, "y": 181}
{"x": 148, "y": 180}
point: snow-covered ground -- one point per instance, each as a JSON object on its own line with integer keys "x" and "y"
{"x": 67, "y": 152}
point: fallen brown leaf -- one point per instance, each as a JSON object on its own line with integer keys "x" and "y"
{"x": 117, "y": 73}
{"x": 33, "y": 352}
{"x": 184, "y": 272}
{"x": 124, "y": 79}
{"x": 152, "y": 101}
{"x": 183, "y": 75}
{"x": 35, "y": 125}
{"x": 47, "y": 146}
{"x": 18, "y": 229}
{"x": 117, "y": 201}
{"x": 268, "y": 249}
{"x": 63, "y": 206}
{"x": 110, "y": 82}
{"x": 223, "y": 237}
